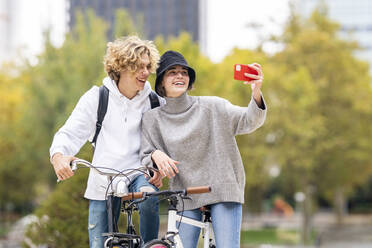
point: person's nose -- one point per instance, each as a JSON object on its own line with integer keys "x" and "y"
{"x": 179, "y": 74}
{"x": 145, "y": 72}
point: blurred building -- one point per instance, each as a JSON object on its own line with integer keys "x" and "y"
{"x": 7, "y": 24}
{"x": 160, "y": 17}
{"x": 355, "y": 17}
{"x": 22, "y": 23}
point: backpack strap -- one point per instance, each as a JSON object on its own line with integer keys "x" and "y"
{"x": 101, "y": 111}
{"x": 102, "y": 108}
{"x": 154, "y": 100}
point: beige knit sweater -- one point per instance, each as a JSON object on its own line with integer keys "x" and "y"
{"x": 199, "y": 132}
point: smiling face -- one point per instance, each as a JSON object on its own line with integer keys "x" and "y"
{"x": 132, "y": 82}
{"x": 176, "y": 81}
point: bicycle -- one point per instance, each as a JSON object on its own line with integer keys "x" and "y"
{"x": 172, "y": 238}
{"x": 130, "y": 239}
{"x": 115, "y": 239}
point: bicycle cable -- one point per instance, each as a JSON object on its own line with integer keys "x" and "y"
{"x": 183, "y": 209}
{"x": 119, "y": 173}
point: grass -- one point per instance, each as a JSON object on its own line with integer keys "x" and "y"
{"x": 270, "y": 236}
{"x": 3, "y": 230}
{"x": 267, "y": 236}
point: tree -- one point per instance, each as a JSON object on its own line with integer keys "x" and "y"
{"x": 57, "y": 82}
{"x": 322, "y": 143}
{"x": 15, "y": 178}
{"x": 63, "y": 218}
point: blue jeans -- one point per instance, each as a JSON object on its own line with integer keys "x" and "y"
{"x": 148, "y": 211}
{"x": 226, "y": 222}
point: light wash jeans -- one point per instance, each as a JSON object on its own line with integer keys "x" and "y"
{"x": 148, "y": 211}
{"x": 226, "y": 222}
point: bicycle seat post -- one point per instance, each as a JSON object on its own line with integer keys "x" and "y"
{"x": 207, "y": 216}
{"x": 208, "y": 230}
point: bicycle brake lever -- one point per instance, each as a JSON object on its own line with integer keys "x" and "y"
{"x": 185, "y": 197}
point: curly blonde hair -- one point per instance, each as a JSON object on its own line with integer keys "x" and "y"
{"x": 124, "y": 54}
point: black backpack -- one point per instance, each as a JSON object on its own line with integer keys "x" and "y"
{"x": 102, "y": 108}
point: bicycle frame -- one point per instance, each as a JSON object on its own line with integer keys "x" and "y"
{"x": 205, "y": 225}
{"x": 172, "y": 238}
{"x": 130, "y": 239}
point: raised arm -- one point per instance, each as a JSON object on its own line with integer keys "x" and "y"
{"x": 245, "y": 120}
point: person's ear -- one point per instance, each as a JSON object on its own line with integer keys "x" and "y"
{"x": 114, "y": 76}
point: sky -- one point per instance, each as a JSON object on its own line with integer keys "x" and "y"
{"x": 227, "y": 24}
{"x": 33, "y": 17}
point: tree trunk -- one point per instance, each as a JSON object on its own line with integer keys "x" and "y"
{"x": 307, "y": 214}
{"x": 340, "y": 207}
{"x": 254, "y": 197}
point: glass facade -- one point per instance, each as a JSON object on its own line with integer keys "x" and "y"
{"x": 160, "y": 17}
{"x": 355, "y": 17}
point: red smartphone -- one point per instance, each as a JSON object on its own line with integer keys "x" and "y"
{"x": 240, "y": 69}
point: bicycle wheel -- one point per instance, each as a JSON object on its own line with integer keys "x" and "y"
{"x": 156, "y": 243}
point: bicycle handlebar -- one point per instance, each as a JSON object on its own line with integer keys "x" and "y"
{"x": 132, "y": 196}
{"x": 138, "y": 195}
{"x": 128, "y": 172}
{"x": 125, "y": 173}
{"x": 198, "y": 190}
{"x": 187, "y": 191}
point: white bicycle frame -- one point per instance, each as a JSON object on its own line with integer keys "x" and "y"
{"x": 173, "y": 218}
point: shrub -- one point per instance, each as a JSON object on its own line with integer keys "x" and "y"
{"x": 63, "y": 216}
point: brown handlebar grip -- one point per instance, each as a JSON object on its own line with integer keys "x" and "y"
{"x": 198, "y": 190}
{"x": 131, "y": 196}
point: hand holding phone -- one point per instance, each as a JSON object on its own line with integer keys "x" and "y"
{"x": 241, "y": 69}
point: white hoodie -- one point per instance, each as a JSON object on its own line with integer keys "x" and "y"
{"x": 118, "y": 143}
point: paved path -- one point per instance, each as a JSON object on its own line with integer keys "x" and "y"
{"x": 355, "y": 233}
{"x": 16, "y": 235}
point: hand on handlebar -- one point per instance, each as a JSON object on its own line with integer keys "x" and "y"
{"x": 166, "y": 165}
{"x": 61, "y": 165}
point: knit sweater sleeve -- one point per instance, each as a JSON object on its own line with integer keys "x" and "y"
{"x": 147, "y": 146}
{"x": 244, "y": 120}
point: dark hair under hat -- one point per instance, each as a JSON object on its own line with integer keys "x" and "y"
{"x": 168, "y": 59}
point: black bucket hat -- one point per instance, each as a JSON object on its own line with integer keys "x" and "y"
{"x": 168, "y": 59}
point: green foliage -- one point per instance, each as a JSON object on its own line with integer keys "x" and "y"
{"x": 203, "y": 66}
{"x": 124, "y": 25}
{"x": 56, "y": 83}
{"x": 270, "y": 236}
{"x": 63, "y": 218}
{"x": 16, "y": 191}
{"x": 332, "y": 112}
